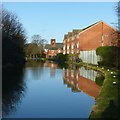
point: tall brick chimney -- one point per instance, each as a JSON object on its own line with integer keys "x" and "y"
{"x": 53, "y": 42}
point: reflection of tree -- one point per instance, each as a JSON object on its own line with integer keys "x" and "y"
{"x": 13, "y": 88}
{"x": 36, "y": 69}
{"x": 99, "y": 79}
{"x": 34, "y": 64}
{"x": 63, "y": 65}
{"x": 73, "y": 66}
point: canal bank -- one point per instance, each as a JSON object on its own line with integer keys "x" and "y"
{"x": 106, "y": 105}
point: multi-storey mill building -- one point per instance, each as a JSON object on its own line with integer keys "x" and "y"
{"x": 86, "y": 41}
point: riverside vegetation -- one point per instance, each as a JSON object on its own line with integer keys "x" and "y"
{"x": 13, "y": 40}
{"x": 107, "y": 103}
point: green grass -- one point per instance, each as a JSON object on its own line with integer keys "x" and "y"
{"x": 107, "y": 102}
{"x": 106, "y": 105}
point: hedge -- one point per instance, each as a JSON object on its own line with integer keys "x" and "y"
{"x": 110, "y": 56}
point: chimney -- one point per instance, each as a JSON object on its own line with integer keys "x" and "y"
{"x": 53, "y": 42}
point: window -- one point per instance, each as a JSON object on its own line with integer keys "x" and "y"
{"x": 78, "y": 36}
{"x": 64, "y": 52}
{"x": 72, "y": 38}
{"x": 77, "y": 51}
{"x": 52, "y": 51}
{"x": 78, "y": 45}
{"x": 68, "y": 47}
{"x": 64, "y": 47}
{"x": 67, "y": 52}
{"x": 72, "y": 51}
{"x": 59, "y": 51}
{"x": 72, "y": 46}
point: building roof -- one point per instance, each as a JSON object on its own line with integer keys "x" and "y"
{"x": 58, "y": 45}
{"x": 69, "y": 34}
{"x": 76, "y": 31}
{"x": 90, "y": 25}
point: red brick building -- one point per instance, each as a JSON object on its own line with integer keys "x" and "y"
{"x": 53, "y": 48}
{"x": 85, "y": 41}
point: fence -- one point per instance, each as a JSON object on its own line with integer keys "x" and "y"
{"x": 89, "y": 56}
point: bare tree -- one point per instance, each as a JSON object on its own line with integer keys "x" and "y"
{"x": 13, "y": 39}
{"x": 118, "y": 11}
{"x": 37, "y": 39}
{"x": 36, "y": 47}
{"x": 12, "y": 29}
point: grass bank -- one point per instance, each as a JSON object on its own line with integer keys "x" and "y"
{"x": 107, "y": 103}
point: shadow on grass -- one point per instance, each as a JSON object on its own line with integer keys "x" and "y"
{"x": 111, "y": 111}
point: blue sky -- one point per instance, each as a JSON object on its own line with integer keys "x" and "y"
{"x": 53, "y": 20}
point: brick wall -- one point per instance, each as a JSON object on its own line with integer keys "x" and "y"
{"x": 54, "y": 52}
{"x": 99, "y": 34}
{"x": 92, "y": 38}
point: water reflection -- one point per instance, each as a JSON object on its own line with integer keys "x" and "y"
{"x": 52, "y": 67}
{"x": 34, "y": 64}
{"x": 79, "y": 79}
{"x": 34, "y": 70}
{"x": 13, "y": 88}
{"x": 82, "y": 80}
{"x": 45, "y": 91}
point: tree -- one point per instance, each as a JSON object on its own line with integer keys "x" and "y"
{"x": 118, "y": 22}
{"x": 30, "y": 49}
{"x": 13, "y": 39}
{"x": 109, "y": 56}
{"x": 39, "y": 44}
{"x": 37, "y": 39}
{"x": 36, "y": 47}
{"x": 118, "y": 11}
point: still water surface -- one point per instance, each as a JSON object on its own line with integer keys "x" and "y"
{"x": 43, "y": 90}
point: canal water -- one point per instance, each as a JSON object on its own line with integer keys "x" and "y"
{"x": 45, "y": 90}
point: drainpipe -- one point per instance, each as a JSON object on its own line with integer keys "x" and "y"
{"x": 102, "y": 35}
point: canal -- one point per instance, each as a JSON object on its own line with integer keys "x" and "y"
{"x": 45, "y": 90}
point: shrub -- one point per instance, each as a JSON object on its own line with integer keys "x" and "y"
{"x": 110, "y": 56}
{"x": 74, "y": 58}
{"x": 60, "y": 58}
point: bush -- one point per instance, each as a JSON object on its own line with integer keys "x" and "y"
{"x": 74, "y": 58}
{"x": 60, "y": 58}
{"x": 109, "y": 56}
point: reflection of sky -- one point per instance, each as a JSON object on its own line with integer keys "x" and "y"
{"x": 47, "y": 97}
{"x": 33, "y": 73}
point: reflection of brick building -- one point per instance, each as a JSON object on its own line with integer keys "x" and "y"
{"x": 85, "y": 41}
{"x": 78, "y": 83}
{"x": 53, "y": 49}
{"x": 52, "y": 67}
